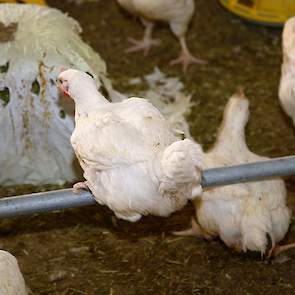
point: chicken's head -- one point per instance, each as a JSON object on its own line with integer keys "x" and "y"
{"x": 63, "y": 84}
{"x": 71, "y": 82}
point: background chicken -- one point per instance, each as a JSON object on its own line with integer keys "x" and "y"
{"x": 177, "y": 13}
{"x": 132, "y": 162}
{"x": 35, "y": 41}
{"x": 250, "y": 216}
{"x": 11, "y": 279}
{"x": 287, "y": 84}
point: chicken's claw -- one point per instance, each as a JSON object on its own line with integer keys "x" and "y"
{"x": 77, "y": 187}
{"x": 195, "y": 231}
{"x": 280, "y": 248}
{"x": 144, "y": 44}
{"x": 186, "y": 59}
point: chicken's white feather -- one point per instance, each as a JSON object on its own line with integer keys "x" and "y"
{"x": 287, "y": 82}
{"x": 131, "y": 159}
{"x": 11, "y": 279}
{"x": 177, "y": 13}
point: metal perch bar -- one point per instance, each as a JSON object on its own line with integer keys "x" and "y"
{"x": 65, "y": 198}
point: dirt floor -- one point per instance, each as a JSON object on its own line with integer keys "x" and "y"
{"x": 88, "y": 251}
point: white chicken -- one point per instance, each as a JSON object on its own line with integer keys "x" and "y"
{"x": 287, "y": 83}
{"x": 35, "y": 42}
{"x": 132, "y": 162}
{"x": 177, "y": 13}
{"x": 250, "y": 216}
{"x": 11, "y": 279}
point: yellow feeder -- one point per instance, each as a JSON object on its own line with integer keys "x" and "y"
{"x": 269, "y": 12}
{"x": 39, "y": 2}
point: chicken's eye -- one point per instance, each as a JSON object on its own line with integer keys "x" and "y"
{"x": 90, "y": 75}
{"x": 60, "y": 81}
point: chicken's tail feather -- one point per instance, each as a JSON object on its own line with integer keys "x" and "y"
{"x": 181, "y": 163}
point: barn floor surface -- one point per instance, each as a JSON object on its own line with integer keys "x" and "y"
{"x": 88, "y": 251}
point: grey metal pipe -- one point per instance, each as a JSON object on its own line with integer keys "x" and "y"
{"x": 65, "y": 198}
{"x": 278, "y": 167}
{"x": 44, "y": 202}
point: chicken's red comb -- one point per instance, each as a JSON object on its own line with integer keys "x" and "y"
{"x": 242, "y": 92}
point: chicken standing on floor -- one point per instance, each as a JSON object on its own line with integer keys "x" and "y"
{"x": 11, "y": 279}
{"x": 132, "y": 162}
{"x": 287, "y": 84}
{"x": 251, "y": 216}
{"x": 177, "y": 13}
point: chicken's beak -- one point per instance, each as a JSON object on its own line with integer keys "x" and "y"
{"x": 63, "y": 87}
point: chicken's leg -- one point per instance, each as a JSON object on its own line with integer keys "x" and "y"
{"x": 186, "y": 58}
{"x": 80, "y": 186}
{"x": 195, "y": 230}
{"x": 147, "y": 42}
{"x": 280, "y": 248}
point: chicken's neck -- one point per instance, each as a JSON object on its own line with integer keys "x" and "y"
{"x": 232, "y": 130}
{"x": 89, "y": 102}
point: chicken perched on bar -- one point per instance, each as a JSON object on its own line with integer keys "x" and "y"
{"x": 131, "y": 159}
